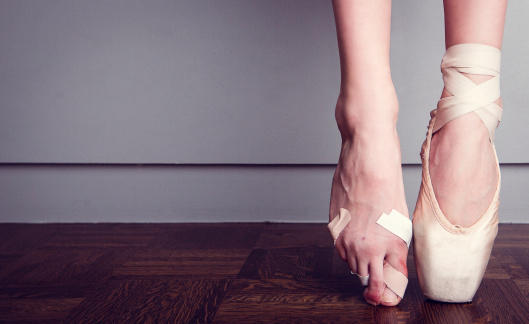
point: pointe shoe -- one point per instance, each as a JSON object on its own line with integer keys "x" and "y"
{"x": 395, "y": 223}
{"x": 451, "y": 260}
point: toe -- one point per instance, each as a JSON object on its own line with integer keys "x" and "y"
{"x": 363, "y": 269}
{"x": 351, "y": 261}
{"x": 373, "y": 293}
{"x": 389, "y": 298}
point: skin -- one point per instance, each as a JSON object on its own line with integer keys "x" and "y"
{"x": 368, "y": 177}
{"x": 463, "y": 191}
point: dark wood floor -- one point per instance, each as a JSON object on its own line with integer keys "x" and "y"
{"x": 223, "y": 273}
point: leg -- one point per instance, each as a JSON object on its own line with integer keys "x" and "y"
{"x": 463, "y": 191}
{"x": 368, "y": 178}
{"x": 456, "y": 216}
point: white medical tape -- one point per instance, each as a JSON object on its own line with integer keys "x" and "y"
{"x": 397, "y": 224}
{"x": 339, "y": 222}
{"x": 395, "y": 280}
{"x": 364, "y": 281}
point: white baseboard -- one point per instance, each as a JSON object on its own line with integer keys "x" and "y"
{"x": 123, "y": 193}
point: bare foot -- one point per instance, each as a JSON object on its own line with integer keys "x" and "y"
{"x": 368, "y": 182}
{"x": 463, "y": 167}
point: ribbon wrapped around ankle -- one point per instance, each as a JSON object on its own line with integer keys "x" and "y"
{"x": 395, "y": 223}
{"x": 467, "y": 96}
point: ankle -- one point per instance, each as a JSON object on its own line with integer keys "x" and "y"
{"x": 465, "y": 129}
{"x": 366, "y": 110}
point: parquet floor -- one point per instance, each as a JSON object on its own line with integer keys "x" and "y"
{"x": 223, "y": 273}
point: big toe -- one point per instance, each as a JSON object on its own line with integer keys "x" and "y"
{"x": 376, "y": 294}
{"x": 389, "y": 297}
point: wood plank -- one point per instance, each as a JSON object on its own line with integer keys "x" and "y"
{"x": 495, "y": 269}
{"x": 152, "y": 264}
{"x": 42, "y": 266}
{"x": 504, "y": 256}
{"x": 229, "y": 236}
{"x": 288, "y": 263}
{"x": 523, "y": 286}
{"x": 54, "y": 290}
{"x": 151, "y": 301}
{"x": 21, "y": 238}
{"x": 512, "y": 235}
{"x": 47, "y": 310}
{"x": 292, "y": 301}
{"x": 98, "y": 236}
{"x": 276, "y": 235}
{"x": 521, "y": 255}
{"x": 40, "y": 302}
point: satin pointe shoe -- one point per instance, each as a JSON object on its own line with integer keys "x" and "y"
{"x": 395, "y": 223}
{"x": 451, "y": 260}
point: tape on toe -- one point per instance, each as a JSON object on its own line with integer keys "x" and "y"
{"x": 395, "y": 280}
{"x": 394, "y": 222}
{"x": 339, "y": 222}
{"x": 401, "y": 226}
{"x": 364, "y": 281}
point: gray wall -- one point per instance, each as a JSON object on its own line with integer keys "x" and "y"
{"x": 91, "y": 89}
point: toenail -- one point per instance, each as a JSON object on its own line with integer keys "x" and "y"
{"x": 389, "y": 301}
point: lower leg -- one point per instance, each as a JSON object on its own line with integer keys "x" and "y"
{"x": 463, "y": 191}
{"x": 474, "y": 21}
{"x": 368, "y": 178}
{"x": 363, "y": 30}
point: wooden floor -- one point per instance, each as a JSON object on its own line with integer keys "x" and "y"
{"x": 223, "y": 273}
